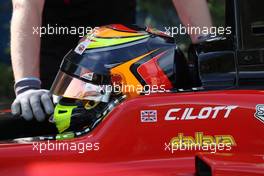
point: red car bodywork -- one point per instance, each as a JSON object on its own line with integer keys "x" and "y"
{"x": 127, "y": 146}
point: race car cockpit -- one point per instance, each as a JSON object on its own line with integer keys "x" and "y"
{"x": 113, "y": 63}
{"x": 119, "y": 62}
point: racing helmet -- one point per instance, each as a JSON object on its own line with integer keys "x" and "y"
{"x": 120, "y": 59}
{"x": 110, "y": 64}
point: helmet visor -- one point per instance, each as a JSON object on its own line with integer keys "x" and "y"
{"x": 70, "y": 87}
{"x": 85, "y": 73}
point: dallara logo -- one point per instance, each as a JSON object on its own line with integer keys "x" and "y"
{"x": 201, "y": 139}
{"x": 260, "y": 112}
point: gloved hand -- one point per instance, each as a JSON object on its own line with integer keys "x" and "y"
{"x": 31, "y": 101}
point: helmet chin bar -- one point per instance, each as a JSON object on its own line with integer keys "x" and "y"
{"x": 96, "y": 114}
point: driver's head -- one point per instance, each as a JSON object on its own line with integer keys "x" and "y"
{"x": 112, "y": 62}
{"x": 117, "y": 58}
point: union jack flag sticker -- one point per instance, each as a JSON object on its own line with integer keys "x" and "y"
{"x": 148, "y": 115}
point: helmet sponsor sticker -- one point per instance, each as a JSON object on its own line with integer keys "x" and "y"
{"x": 88, "y": 76}
{"x": 148, "y": 115}
{"x": 81, "y": 47}
{"x": 199, "y": 114}
{"x": 260, "y": 112}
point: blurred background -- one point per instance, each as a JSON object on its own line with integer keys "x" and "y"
{"x": 155, "y": 13}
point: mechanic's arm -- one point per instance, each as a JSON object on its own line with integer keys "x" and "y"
{"x": 193, "y": 13}
{"x": 25, "y": 50}
{"x": 25, "y": 46}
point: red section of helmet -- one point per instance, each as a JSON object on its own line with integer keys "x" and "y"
{"x": 116, "y": 79}
{"x": 121, "y": 27}
{"x": 152, "y": 74}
